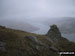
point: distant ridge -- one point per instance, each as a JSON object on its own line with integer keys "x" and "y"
{"x": 18, "y": 25}
{"x": 66, "y": 25}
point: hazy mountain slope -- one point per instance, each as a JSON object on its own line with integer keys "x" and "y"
{"x": 51, "y": 21}
{"x": 18, "y": 25}
{"x": 67, "y": 25}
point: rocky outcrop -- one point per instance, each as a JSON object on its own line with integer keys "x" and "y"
{"x": 54, "y": 33}
{"x": 34, "y": 40}
{"x": 54, "y": 36}
{"x": 39, "y": 45}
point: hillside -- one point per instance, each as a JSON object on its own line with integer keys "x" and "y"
{"x": 20, "y": 25}
{"x": 20, "y": 43}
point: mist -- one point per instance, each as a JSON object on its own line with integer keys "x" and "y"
{"x": 35, "y": 12}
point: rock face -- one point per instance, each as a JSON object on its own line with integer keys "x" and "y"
{"x": 34, "y": 40}
{"x": 40, "y": 46}
{"x": 54, "y": 33}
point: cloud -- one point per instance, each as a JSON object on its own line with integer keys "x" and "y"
{"x": 36, "y": 8}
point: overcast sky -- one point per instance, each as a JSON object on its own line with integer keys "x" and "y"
{"x": 33, "y": 9}
{"x": 36, "y": 10}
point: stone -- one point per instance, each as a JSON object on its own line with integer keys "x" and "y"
{"x": 54, "y": 33}
{"x": 2, "y": 46}
{"x": 33, "y": 39}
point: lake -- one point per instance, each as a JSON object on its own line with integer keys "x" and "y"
{"x": 70, "y": 37}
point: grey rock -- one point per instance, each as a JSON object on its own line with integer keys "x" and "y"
{"x": 40, "y": 46}
{"x": 33, "y": 39}
{"x": 2, "y": 46}
{"x": 54, "y": 49}
{"x": 49, "y": 39}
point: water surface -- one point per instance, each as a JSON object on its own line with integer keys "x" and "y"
{"x": 70, "y": 37}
